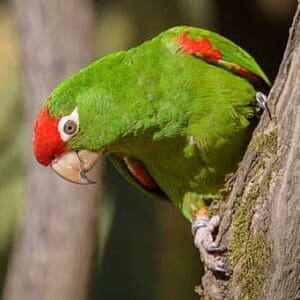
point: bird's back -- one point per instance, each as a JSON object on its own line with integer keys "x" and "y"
{"x": 194, "y": 115}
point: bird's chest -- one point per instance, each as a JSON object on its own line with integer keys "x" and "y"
{"x": 166, "y": 165}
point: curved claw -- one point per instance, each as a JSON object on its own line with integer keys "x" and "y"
{"x": 73, "y": 165}
{"x": 204, "y": 242}
{"x": 216, "y": 249}
{"x": 262, "y": 103}
{"x": 224, "y": 270}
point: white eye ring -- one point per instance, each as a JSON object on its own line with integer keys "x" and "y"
{"x": 73, "y": 118}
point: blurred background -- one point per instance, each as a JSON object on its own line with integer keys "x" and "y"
{"x": 144, "y": 249}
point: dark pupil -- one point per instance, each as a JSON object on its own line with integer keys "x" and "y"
{"x": 70, "y": 127}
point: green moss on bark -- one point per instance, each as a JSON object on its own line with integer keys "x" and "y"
{"x": 251, "y": 251}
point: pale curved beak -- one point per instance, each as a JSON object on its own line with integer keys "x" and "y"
{"x": 74, "y": 165}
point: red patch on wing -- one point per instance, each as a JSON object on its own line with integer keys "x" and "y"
{"x": 249, "y": 75}
{"x": 47, "y": 143}
{"x": 201, "y": 47}
{"x": 139, "y": 172}
{"x": 204, "y": 48}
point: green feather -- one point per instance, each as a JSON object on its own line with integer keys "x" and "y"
{"x": 123, "y": 170}
{"x": 187, "y": 120}
{"x": 230, "y": 51}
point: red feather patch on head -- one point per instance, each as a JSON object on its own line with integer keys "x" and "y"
{"x": 47, "y": 143}
{"x": 201, "y": 47}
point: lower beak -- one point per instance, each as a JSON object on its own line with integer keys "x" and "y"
{"x": 73, "y": 165}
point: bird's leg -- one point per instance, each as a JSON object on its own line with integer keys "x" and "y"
{"x": 202, "y": 229}
{"x": 195, "y": 210}
{"x": 261, "y": 103}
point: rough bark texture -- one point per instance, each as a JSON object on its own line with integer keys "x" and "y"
{"x": 54, "y": 248}
{"x": 261, "y": 220}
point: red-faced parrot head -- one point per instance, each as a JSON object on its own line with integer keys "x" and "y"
{"x": 51, "y": 135}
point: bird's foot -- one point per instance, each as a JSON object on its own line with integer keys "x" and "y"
{"x": 202, "y": 229}
{"x": 261, "y": 103}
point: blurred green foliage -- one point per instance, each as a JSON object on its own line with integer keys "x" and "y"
{"x": 11, "y": 136}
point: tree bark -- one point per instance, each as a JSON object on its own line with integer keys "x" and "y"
{"x": 53, "y": 252}
{"x": 260, "y": 224}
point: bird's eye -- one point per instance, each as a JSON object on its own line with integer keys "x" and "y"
{"x": 70, "y": 127}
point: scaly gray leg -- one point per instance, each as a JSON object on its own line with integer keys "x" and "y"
{"x": 202, "y": 229}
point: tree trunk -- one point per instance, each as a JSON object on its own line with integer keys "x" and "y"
{"x": 53, "y": 252}
{"x": 261, "y": 222}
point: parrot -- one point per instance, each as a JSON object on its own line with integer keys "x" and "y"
{"x": 174, "y": 115}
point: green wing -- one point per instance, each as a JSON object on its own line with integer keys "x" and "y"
{"x": 204, "y": 43}
{"x": 121, "y": 167}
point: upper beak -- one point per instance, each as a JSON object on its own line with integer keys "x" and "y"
{"x": 73, "y": 165}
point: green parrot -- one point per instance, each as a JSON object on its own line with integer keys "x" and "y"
{"x": 174, "y": 115}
